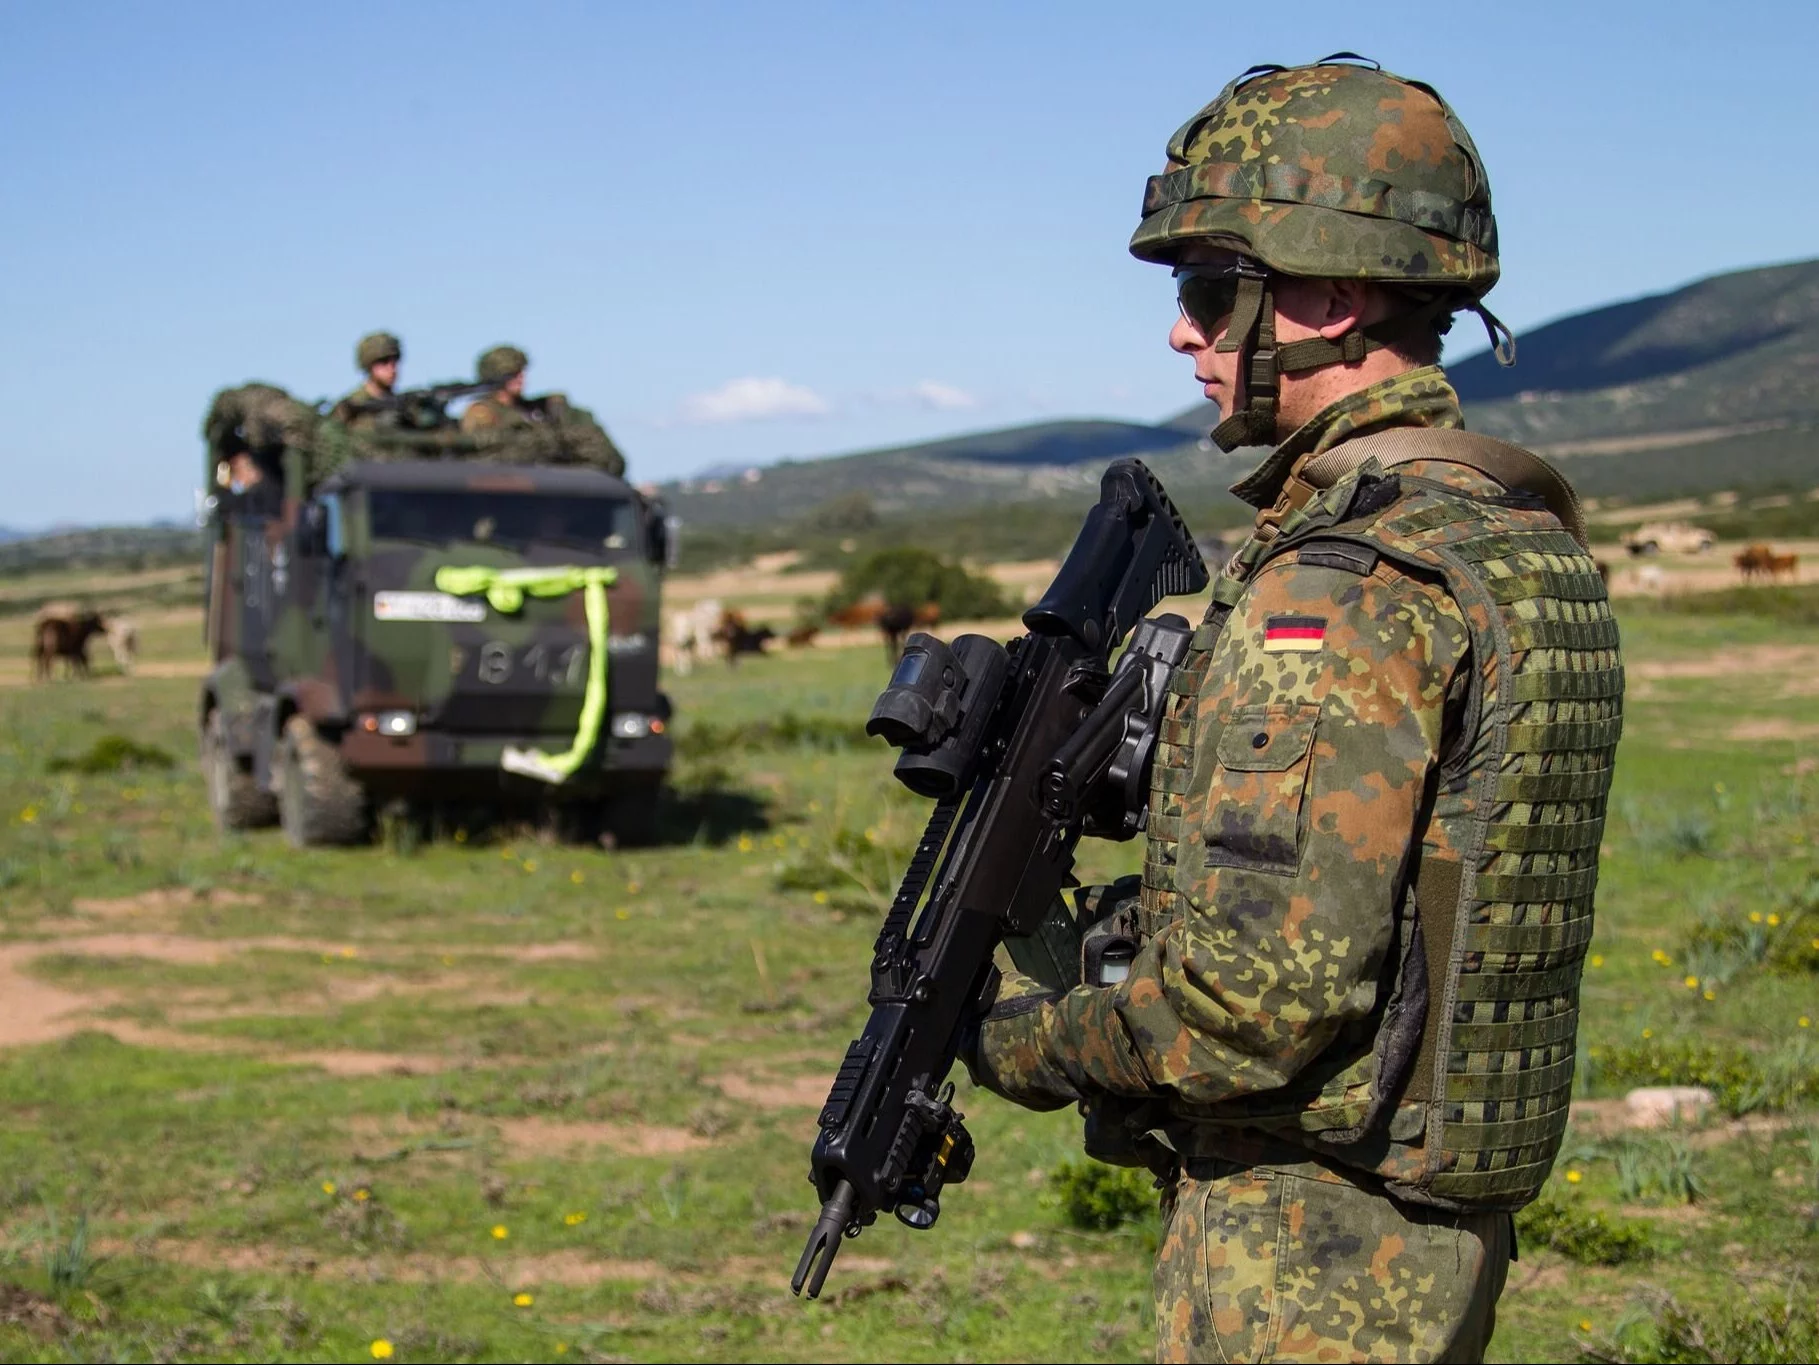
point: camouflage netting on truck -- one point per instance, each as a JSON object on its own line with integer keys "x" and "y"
{"x": 263, "y": 422}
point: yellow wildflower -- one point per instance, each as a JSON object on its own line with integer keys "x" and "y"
{"x": 501, "y": 1232}
{"x": 1660, "y": 957}
{"x": 622, "y": 914}
{"x": 1710, "y": 994}
{"x": 1804, "y": 1021}
{"x": 1755, "y": 917}
{"x": 1692, "y": 983}
{"x": 745, "y": 843}
{"x": 1773, "y": 918}
{"x": 821, "y": 898}
{"x": 574, "y": 1219}
{"x": 1648, "y": 1033}
{"x": 522, "y": 1300}
{"x": 530, "y": 864}
{"x": 509, "y": 854}
{"x": 328, "y": 1187}
{"x": 1585, "y": 1324}
{"x": 29, "y": 815}
{"x": 1574, "y": 1177}
{"x": 362, "y": 1195}
{"x": 381, "y": 1349}
{"x": 461, "y": 836}
{"x": 576, "y": 877}
{"x": 350, "y": 952}
{"x": 1597, "y": 959}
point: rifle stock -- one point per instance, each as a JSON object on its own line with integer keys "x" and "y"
{"x": 1025, "y": 748}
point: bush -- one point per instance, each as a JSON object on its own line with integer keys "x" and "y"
{"x": 1582, "y": 1235}
{"x": 908, "y": 576}
{"x": 1744, "y": 1328}
{"x": 1101, "y": 1198}
{"x": 1739, "y": 1081}
{"x": 112, "y": 754}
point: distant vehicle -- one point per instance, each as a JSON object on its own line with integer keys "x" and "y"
{"x": 1668, "y": 537}
{"x": 424, "y": 632}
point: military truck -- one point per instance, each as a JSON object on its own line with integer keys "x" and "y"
{"x": 446, "y": 634}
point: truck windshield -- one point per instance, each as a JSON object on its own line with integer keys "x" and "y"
{"x": 443, "y": 517}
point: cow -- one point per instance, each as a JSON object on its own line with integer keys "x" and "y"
{"x": 61, "y": 631}
{"x": 123, "y": 642}
{"x": 801, "y": 637}
{"x": 737, "y": 637}
{"x": 895, "y": 622}
{"x": 691, "y": 633}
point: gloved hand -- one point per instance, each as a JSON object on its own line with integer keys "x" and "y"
{"x": 1003, "y": 1048}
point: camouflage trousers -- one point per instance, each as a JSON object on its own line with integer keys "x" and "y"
{"x": 1298, "y": 1263}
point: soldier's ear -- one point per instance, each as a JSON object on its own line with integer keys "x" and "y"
{"x": 1346, "y": 306}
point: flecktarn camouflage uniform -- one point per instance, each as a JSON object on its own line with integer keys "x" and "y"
{"x": 1347, "y": 1040}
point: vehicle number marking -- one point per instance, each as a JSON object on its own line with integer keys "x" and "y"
{"x": 427, "y": 606}
{"x": 495, "y": 663}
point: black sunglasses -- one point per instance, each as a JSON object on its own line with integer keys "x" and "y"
{"x": 1206, "y": 293}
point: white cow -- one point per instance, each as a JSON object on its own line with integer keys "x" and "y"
{"x": 123, "y": 640}
{"x": 691, "y": 633}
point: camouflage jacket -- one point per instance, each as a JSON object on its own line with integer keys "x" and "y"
{"x": 348, "y": 410}
{"x": 1279, "y": 955}
{"x": 494, "y": 413}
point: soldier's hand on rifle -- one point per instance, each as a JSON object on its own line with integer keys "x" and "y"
{"x": 1003, "y": 1050}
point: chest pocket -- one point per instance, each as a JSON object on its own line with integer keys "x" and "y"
{"x": 1255, "y": 815}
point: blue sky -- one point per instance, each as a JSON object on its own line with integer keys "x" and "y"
{"x": 743, "y": 232}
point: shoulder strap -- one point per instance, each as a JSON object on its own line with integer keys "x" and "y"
{"x": 1510, "y": 465}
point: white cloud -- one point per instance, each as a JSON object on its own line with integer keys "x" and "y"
{"x": 753, "y": 399}
{"x": 939, "y": 397}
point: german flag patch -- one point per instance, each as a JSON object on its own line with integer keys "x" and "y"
{"x": 1282, "y": 634}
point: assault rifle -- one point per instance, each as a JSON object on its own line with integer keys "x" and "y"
{"x": 423, "y": 409}
{"x": 1024, "y": 749}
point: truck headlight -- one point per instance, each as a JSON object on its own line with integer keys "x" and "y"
{"x": 635, "y": 725}
{"x": 392, "y": 724}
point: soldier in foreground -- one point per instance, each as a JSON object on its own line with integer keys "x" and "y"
{"x": 379, "y": 354}
{"x": 1345, "y": 1040}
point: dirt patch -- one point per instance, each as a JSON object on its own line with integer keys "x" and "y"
{"x": 577, "y": 1269}
{"x": 159, "y": 901}
{"x": 1754, "y": 659}
{"x": 1767, "y": 728}
{"x": 34, "y": 1011}
{"x": 767, "y": 1092}
{"x": 546, "y": 952}
{"x": 552, "y": 1137}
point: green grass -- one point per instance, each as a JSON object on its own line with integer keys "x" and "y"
{"x": 283, "y": 1100}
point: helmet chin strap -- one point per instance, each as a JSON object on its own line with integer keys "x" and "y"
{"x": 1252, "y": 334}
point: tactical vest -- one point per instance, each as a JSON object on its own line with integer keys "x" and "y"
{"x": 1459, "y": 1096}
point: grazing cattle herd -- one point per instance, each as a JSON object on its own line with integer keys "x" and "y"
{"x": 1761, "y": 561}
{"x": 62, "y": 631}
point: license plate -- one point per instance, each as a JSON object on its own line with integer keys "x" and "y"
{"x": 427, "y": 606}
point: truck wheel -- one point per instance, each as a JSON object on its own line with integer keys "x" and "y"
{"x": 318, "y": 803}
{"x": 235, "y": 799}
{"x": 632, "y": 814}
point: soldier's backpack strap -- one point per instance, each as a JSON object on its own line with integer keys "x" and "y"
{"x": 1510, "y": 465}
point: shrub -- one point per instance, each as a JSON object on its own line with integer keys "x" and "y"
{"x": 909, "y": 576}
{"x": 112, "y": 754}
{"x": 1739, "y": 1081}
{"x": 1583, "y": 1235}
{"x": 1743, "y": 1328}
{"x": 1100, "y": 1198}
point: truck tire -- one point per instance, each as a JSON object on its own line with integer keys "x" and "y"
{"x": 318, "y": 803}
{"x": 632, "y": 814}
{"x": 235, "y": 799}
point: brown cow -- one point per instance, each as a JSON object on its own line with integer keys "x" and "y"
{"x": 895, "y": 623}
{"x": 62, "y": 632}
{"x": 736, "y": 637}
{"x": 1756, "y": 561}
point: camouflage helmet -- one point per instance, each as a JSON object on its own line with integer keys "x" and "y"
{"x": 500, "y": 364}
{"x": 376, "y": 347}
{"x": 1328, "y": 171}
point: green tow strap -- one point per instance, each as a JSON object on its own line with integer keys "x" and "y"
{"x": 505, "y": 591}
